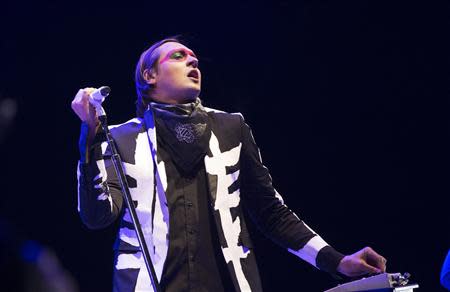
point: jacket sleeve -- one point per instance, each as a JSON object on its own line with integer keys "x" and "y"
{"x": 99, "y": 196}
{"x": 267, "y": 209}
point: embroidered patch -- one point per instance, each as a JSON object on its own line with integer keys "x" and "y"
{"x": 189, "y": 132}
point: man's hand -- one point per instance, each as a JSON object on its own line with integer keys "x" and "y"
{"x": 84, "y": 110}
{"x": 365, "y": 261}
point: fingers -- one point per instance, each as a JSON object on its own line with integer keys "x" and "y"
{"x": 83, "y": 94}
{"x": 82, "y": 107}
{"x": 89, "y": 90}
{"x": 381, "y": 264}
{"x": 81, "y": 99}
{"x": 374, "y": 259}
{"x": 365, "y": 261}
{"x": 361, "y": 267}
{"x": 370, "y": 269}
{"x": 369, "y": 251}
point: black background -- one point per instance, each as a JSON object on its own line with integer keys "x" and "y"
{"x": 348, "y": 101}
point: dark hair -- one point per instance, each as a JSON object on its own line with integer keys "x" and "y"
{"x": 148, "y": 61}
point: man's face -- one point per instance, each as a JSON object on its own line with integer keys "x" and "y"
{"x": 177, "y": 78}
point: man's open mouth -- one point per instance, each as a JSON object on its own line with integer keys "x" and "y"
{"x": 194, "y": 74}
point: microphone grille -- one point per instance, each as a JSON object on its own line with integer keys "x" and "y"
{"x": 105, "y": 90}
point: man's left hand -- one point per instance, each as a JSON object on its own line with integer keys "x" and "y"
{"x": 365, "y": 261}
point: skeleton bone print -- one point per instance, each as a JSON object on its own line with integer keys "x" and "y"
{"x": 224, "y": 202}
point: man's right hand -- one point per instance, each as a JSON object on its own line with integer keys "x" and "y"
{"x": 87, "y": 114}
{"x": 84, "y": 110}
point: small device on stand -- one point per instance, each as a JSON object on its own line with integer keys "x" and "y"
{"x": 385, "y": 282}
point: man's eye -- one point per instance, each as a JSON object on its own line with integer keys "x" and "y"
{"x": 178, "y": 55}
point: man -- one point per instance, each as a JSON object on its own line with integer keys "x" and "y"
{"x": 192, "y": 172}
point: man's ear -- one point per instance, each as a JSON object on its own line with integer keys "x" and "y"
{"x": 150, "y": 76}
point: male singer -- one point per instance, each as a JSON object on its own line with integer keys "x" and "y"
{"x": 192, "y": 171}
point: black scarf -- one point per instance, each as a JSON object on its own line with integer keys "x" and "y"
{"x": 184, "y": 131}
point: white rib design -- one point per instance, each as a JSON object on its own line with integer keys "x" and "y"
{"x": 215, "y": 165}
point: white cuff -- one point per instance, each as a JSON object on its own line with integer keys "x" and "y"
{"x": 310, "y": 250}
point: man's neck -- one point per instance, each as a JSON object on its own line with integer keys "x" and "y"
{"x": 173, "y": 100}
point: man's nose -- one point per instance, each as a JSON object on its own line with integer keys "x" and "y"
{"x": 192, "y": 62}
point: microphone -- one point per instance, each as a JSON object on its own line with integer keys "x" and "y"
{"x": 98, "y": 96}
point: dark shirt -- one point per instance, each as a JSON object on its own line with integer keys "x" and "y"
{"x": 194, "y": 261}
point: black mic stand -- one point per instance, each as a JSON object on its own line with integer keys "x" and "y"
{"x": 117, "y": 162}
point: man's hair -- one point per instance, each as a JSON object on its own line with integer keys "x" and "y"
{"x": 148, "y": 60}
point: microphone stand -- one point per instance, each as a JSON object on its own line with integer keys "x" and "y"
{"x": 117, "y": 162}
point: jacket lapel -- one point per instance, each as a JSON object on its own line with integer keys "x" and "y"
{"x": 151, "y": 133}
{"x": 160, "y": 232}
